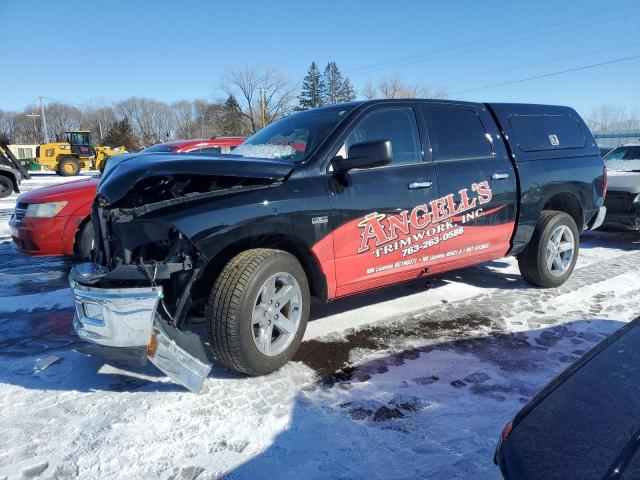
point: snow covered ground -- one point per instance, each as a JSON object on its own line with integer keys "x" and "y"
{"x": 413, "y": 381}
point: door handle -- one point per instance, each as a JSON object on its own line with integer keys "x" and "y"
{"x": 500, "y": 176}
{"x": 416, "y": 185}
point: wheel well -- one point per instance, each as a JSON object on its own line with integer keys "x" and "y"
{"x": 566, "y": 202}
{"x": 317, "y": 283}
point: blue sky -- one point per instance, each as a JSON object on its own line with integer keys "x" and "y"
{"x": 84, "y": 51}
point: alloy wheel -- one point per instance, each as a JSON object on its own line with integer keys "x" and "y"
{"x": 560, "y": 250}
{"x": 276, "y": 314}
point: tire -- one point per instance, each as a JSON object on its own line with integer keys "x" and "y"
{"x": 544, "y": 265}
{"x": 103, "y": 164}
{"x": 6, "y": 186}
{"x": 84, "y": 240}
{"x": 238, "y": 299}
{"x": 68, "y": 166}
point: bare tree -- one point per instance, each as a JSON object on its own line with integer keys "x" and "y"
{"x": 395, "y": 87}
{"x": 263, "y": 95}
{"x": 152, "y": 120}
{"x": 62, "y": 118}
{"x": 369, "y": 91}
{"x": 23, "y": 129}
{"x": 614, "y": 118}
{"x": 185, "y": 119}
{"x": 7, "y": 121}
{"x": 97, "y": 120}
{"x": 207, "y": 118}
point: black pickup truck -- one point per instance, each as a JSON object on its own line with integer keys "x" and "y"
{"x": 327, "y": 203}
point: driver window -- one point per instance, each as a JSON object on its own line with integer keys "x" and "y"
{"x": 398, "y": 125}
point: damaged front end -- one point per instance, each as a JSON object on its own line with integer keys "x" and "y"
{"x": 136, "y": 295}
{"x": 134, "y": 299}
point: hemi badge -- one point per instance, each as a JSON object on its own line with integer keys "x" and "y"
{"x": 319, "y": 220}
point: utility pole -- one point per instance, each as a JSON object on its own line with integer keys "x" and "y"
{"x": 35, "y": 129}
{"x": 263, "y": 106}
{"x": 44, "y": 122}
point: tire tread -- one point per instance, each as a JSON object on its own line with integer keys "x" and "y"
{"x": 224, "y": 305}
{"x": 529, "y": 261}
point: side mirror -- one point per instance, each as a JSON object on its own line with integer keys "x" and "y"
{"x": 375, "y": 153}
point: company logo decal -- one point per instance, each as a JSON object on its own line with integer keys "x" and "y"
{"x": 425, "y": 225}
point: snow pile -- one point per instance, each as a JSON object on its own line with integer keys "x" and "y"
{"x": 413, "y": 381}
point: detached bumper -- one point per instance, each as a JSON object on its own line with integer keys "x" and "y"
{"x": 119, "y": 317}
{"x": 127, "y": 318}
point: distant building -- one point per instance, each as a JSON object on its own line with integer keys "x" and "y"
{"x": 615, "y": 139}
{"x": 23, "y": 152}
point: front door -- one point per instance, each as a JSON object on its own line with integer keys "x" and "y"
{"x": 378, "y": 214}
{"x": 477, "y": 179}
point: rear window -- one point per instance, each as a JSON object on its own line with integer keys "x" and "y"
{"x": 546, "y": 132}
{"x": 210, "y": 150}
{"x": 159, "y": 149}
{"x": 457, "y": 133}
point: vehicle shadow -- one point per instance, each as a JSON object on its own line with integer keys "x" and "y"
{"x": 434, "y": 410}
{"x": 483, "y": 276}
{"x": 28, "y": 335}
{"x": 610, "y": 239}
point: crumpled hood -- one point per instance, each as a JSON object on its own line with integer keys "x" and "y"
{"x": 618, "y": 181}
{"x": 127, "y": 173}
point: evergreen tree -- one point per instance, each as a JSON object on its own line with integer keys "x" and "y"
{"x": 332, "y": 84}
{"x": 347, "y": 92}
{"x": 312, "y": 89}
{"x": 121, "y": 134}
{"x": 231, "y": 124}
{"x": 336, "y": 88}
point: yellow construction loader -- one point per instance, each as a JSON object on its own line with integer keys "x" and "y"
{"x": 73, "y": 154}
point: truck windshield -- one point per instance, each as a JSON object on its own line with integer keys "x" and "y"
{"x": 294, "y": 137}
{"x": 624, "y": 158}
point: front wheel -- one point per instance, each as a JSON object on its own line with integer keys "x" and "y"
{"x": 6, "y": 186}
{"x": 68, "y": 167}
{"x": 258, "y": 311}
{"x": 551, "y": 255}
{"x": 84, "y": 240}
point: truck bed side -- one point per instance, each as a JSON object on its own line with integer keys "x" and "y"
{"x": 557, "y": 163}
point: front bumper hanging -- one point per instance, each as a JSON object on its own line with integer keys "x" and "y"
{"x": 128, "y": 318}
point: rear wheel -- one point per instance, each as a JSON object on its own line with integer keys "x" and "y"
{"x": 551, "y": 255}
{"x": 6, "y": 186}
{"x": 68, "y": 166}
{"x": 84, "y": 240}
{"x": 258, "y": 311}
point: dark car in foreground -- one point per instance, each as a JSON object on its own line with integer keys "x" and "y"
{"x": 328, "y": 203}
{"x": 584, "y": 425}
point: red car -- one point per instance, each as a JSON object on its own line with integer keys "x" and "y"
{"x": 55, "y": 220}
